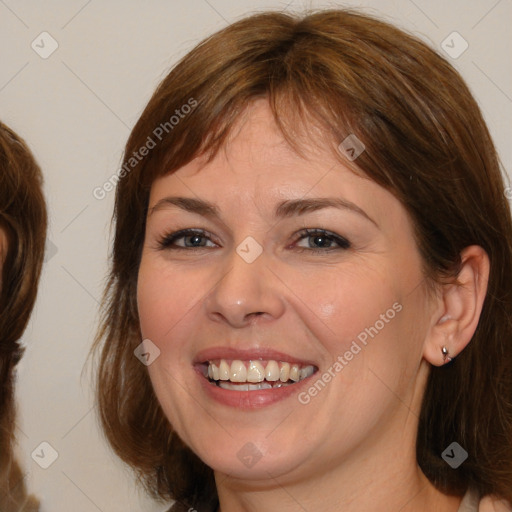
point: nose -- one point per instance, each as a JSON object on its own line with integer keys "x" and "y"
{"x": 245, "y": 293}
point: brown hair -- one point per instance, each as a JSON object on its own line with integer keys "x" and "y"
{"x": 23, "y": 219}
{"x": 426, "y": 142}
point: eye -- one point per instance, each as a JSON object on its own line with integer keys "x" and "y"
{"x": 192, "y": 239}
{"x": 321, "y": 240}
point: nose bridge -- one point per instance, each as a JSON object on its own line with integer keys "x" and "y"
{"x": 247, "y": 289}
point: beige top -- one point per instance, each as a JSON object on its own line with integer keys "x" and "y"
{"x": 470, "y": 503}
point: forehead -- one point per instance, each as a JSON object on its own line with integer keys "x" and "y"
{"x": 256, "y": 155}
{"x": 256, "y": 170}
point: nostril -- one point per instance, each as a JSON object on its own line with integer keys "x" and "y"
{"x": 250, "y": 316}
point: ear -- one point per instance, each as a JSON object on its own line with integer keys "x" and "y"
{"x": 458, "y": 307}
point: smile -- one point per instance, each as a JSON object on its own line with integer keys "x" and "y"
{"x": 254, "y": 375}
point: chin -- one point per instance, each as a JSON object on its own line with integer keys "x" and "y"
{"x": 252, "y": 455}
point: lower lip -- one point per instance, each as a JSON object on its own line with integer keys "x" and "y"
{"x": 249, "y": 399}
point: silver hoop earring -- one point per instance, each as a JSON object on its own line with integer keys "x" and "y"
{"x": 446, "y": 357}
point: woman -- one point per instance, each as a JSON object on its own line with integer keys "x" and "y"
{"x": 22, "y": 240}
{"x": 312, "y": 265}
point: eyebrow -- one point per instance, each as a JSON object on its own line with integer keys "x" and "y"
{"x": 285, "y": 209}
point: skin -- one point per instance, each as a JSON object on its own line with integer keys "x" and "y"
{"x": 352, "y": 447}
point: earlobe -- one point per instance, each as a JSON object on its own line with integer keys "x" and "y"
{"x": 459, "y": 307}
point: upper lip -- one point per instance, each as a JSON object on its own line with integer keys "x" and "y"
{"x": 248, "y": 354}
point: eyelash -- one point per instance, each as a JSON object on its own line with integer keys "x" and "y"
{"x": 167, "y": 241}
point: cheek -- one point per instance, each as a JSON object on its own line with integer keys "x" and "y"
{"x": 151, "y": 305}
{"x": 163, "y": 299}
{"x": 340, "y": 306}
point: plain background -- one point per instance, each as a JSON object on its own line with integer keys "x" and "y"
{"x": 76, "y": 109}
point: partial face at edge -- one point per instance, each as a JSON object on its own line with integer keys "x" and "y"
{"x": 352, "y": 294}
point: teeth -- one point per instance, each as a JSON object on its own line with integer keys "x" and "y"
{"x": 238, "y": 371}
{"x": 284, "y": 374}
{"x": 294, "y": 373}
{"x": 224, "y": 371}
{"x": 306, "y": 372}
{"x": 256, "y": 374}
{"x": 272, "y": 371}
{"x": 245, "y": 387}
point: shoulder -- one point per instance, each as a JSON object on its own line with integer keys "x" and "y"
{"x": 202, "y": 506}
{"x": 472, "y": 503}
{"x": 493, "y": 504}
{"x": 178, "y": 507}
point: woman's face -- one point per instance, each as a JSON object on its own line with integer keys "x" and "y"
{"x": 291, "y": 262}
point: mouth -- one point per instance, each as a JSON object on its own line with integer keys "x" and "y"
{"x": 254, "y": 374}
{"x": 249, "y": 379}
